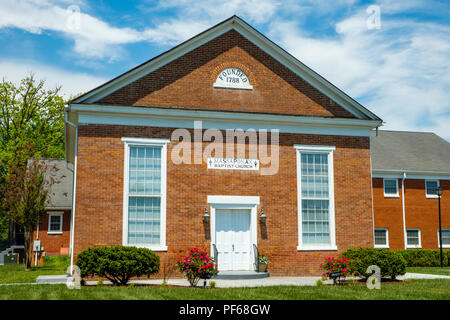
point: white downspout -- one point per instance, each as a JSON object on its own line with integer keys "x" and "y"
{"x": 404, "y": 209}
{"x": 37, "y": 238}
{"x": 74, "y": 184}
{"x": 371, "y": 181}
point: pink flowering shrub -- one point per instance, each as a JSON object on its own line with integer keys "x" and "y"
{"x": 332, "y": 264}
{"x": 196, "y": 265}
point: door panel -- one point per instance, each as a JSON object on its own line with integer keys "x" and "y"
{"x": 233, "y": 239}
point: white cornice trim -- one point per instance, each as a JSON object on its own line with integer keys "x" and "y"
{"x": 237, "y": 24}
{"x": 173, "y": 112}
{"x": 411, "y": 174}
{"x": 175, "y": 118}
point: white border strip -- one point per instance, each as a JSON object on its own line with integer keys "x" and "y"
{"x": 162, "y": 224}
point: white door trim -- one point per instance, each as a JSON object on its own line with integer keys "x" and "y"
{"x": 235, "y": 202}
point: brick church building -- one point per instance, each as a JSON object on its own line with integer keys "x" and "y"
{"x": 225, "y": 142}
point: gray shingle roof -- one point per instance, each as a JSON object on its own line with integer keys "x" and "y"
{"x": 60, "y": 194}
{"x": 410, "y": 151}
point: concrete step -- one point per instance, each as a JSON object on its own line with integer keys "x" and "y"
{"x": 56, "y": 279}
{"x": 241, "y": 275}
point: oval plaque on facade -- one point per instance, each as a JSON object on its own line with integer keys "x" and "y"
{"x": 232, "y": 78}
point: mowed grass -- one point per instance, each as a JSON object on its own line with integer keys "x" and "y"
{"x": 436, "y": 289}
{"x": 430, "y": 270}
{"x": 17, "y": 274}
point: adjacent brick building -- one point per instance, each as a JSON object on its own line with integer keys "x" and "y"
{"x": 52, "y": 235}
{"x": 407, "y": 169}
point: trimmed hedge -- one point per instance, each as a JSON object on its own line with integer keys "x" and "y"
{"x": 390, "y": 262}
{"x": 425, "y": 258}
{"x": 117, "y": 263}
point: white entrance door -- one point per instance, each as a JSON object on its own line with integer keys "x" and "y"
{"x": 233, "y": 240}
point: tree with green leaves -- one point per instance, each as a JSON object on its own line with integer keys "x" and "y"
{"x": 31, "y": 126}
{"x": 24, "y": 198}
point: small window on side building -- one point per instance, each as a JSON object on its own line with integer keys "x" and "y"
{"x": 390, "y": 187}
{"x": 431, "y": 187}
{"x": 381, "y": 238}
{"x": 413, "y": 238}
{"x": 445, "y": 238}
{"x": 55, "y": 223}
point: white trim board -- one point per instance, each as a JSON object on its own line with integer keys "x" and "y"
{"x": 294, "y": 126}
{"x": 418, "y": 175}
{"x": 237, "y": 200}
{"x": 237, "y": 24}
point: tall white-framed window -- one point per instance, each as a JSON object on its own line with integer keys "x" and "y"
{"x": 413, "y": 239}
{"x": 381, "y": 238}
{"x": 55, "y": 221}
{"x": 445, "y": 239}
{"x": 390, "y": 187}
{"x": 144, "y": 201}
{"x": 430, "y": 188}
{"x": 315, "y": 198}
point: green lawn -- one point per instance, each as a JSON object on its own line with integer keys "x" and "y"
{"x": 414, "y": 289}
{"x": 430, "y": 270}
{"x": 17, "y": 273}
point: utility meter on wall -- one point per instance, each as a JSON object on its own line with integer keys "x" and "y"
{"x": 37, "y": 245}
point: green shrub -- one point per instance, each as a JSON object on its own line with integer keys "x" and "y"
{"x": 390, "y": 262}
{"x": 425, "y": 258}
{"x": 117, "y": 263}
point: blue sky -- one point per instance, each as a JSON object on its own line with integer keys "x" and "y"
{"x": 400, "y": 71}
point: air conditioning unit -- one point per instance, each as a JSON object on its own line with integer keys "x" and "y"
{"x": 11, "y": 258}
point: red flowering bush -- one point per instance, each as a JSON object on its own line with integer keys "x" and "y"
{"x": 344, "y": 265}
{"x": 196, "y": 265}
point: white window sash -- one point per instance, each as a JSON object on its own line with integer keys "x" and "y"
{"x": 431, "y": 195}
{"x": 162, "y": 143}
{"x": 414, "y": 246}
{"x": 50, "y": 216}
{"x": 331, "y": 246}
{"x": 444, "y": 246}
{"x": 386, "y": 245}
{"x": 390, "y": 195}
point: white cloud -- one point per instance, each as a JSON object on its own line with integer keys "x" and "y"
{"x": 212, "y": 11}
{"x": 401, "y": 72}
{"x": 95, "y": 38}
{"x": 92, "y": 36}
{"x": 72, "y": 83}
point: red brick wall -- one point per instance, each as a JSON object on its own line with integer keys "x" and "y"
{"x": 99, "y": 198}
{"x": 187, "y": 82}
{"x": 53, "y": 243}
{"x": 421, "y": 212}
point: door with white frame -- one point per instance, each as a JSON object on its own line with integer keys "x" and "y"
{"x": 233, "y": 231}
{"x": 233, "y": 239}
